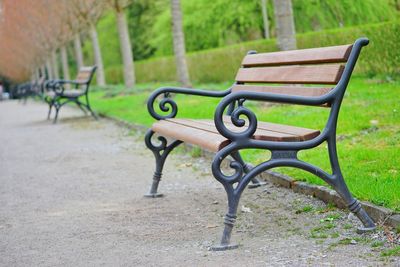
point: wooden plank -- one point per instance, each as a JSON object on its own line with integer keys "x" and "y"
{"x": 265, "y": 130}
{"x": 205, "y": 139}
{"x": 261, "y": 134}
{"x": 323, "y": 74}
{"x": 88, "y": 69}
{"x": 333, "y": 54}
{"x": 83, "y": 76}
{"x": 204, "y": 133}
{"x": 301, "y": 134}
{"x": 285, "y": 90}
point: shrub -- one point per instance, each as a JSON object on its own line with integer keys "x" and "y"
{"x": 382, "y": 56}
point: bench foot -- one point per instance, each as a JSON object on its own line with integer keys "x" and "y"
{"x": 255, "y": 182}
{"x": 361, "y": 214}
{"x": 154, "y": 195}
{"x": 223, "y": 247}
{"x": 154, "y": 186}
{"x": 362, "y": 230}
{"x": 229, "y": 221}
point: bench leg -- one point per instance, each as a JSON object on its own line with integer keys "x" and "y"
{"x": 50, "y": 107}
{"x": 341, "y": 188}
{"x": 234, "y": 186}
{"x": 88, "y": 106}
{"x": 354, "y": 205}
{"x": 255, "y": 182}
{"x": 229, "y": 222}
{"x": 80, "y": 106}
{"x": 161, "y": 153}
{"x": 57, "y": 103}
{"x": 57, "y": 106}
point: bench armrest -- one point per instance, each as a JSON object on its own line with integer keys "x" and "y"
{"x": 168, "y": 105}
{"x": 58, "y": 85}
{"x": 270, "y": 97}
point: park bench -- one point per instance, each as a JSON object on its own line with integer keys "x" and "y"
{"x": 235, "y": 127}
{"x": 58, "y": 94}
{"x": 34, "y": 89}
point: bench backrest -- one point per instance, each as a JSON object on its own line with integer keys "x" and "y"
{"x": 293, "y": 70}
{"x": 85, "y": 74}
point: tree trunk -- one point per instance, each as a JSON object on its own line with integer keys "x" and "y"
{"x": 286, "y": 33}
{"x": 126, "y": 50}
{"x": 78, "y": 51}
{"x": 54, "y": 64}
{"x": 43, "y": 71}
{"x": 49, "y": 70}
{"x": 64, "y": 63}
{"x": 179, "y": 43}
{"x": 97, "y": 56}
{"x": 265, "y": 18}
{"x": 36, "y": 74}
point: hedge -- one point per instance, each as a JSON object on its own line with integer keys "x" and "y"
{"x": 382, "y": 56}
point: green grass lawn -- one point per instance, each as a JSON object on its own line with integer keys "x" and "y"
{"x": 368, "y": 131}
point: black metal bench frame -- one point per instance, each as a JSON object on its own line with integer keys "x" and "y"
{"x": 59, "y": 98}
{"x": 283, "y": 154}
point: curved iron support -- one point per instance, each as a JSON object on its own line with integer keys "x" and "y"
{"x": 255, "y": 182}
{"x": 58, "y": 104}
{"x": 160, "y": 152}
{"x": 236, "y": 183}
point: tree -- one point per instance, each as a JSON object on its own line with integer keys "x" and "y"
{"x": 179, "y": 43}
{"x": 64, "y": 63}
{"x": 286, "y": 33}
{"x": 78, "y": 51}
{"x": 265, "y": 18}
{"x": 98, "y": 59}
{"x": 124, "y": 41}
{"x": 49, "y": 70}
{"x": 88, "y": 12}
{"x": 54, "y": 64}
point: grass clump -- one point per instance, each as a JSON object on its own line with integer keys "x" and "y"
{"x": 391, "y": 252}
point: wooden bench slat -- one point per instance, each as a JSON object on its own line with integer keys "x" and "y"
{"x": 301, "y": 134}
{"x": 204, "y": 133}
{"x": 286, "y": 90}
{"x": 260, "y": 134}
{"x": 208, "y": 140}
{"x": 334, "y": 54}
{"x": 316, "y": 74}
{"x": 84, "y": 74}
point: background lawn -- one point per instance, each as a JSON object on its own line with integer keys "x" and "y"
{"x": 368, "y": 130}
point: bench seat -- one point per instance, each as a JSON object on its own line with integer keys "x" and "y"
{"x": 203, "y": 132}
{"x": 67, "y": 93}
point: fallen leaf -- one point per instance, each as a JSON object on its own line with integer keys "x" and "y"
{"x": 245, "y": 209}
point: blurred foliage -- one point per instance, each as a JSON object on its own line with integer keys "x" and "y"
{"x": 235, "y": 25}
{"x": 381, "y": 56}
{"x": 215, "y": 23}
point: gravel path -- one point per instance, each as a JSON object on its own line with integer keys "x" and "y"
{"x": 71, "y": 194}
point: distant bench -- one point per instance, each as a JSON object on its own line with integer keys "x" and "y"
{"x": 58, "y": 94}
{"x": 228, "y": 132}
